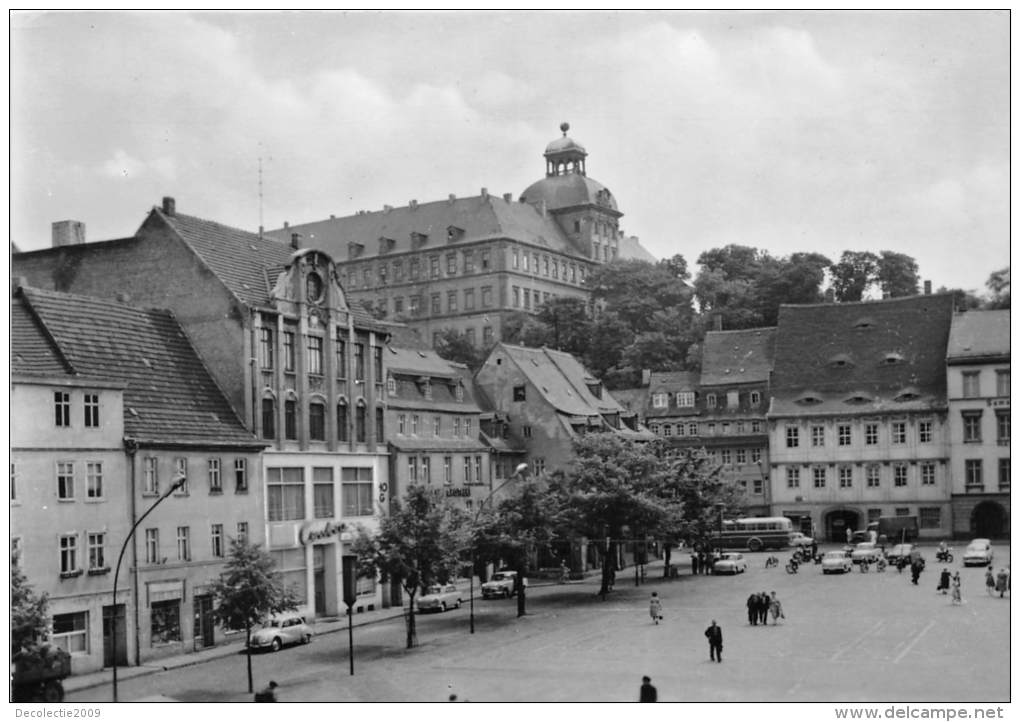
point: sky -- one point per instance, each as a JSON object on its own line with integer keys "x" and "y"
{"x": 819, "y": 131}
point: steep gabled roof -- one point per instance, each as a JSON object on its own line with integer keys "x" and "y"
{"x": 473, "y": 219}
{"x": 673, "y": 381}
{"x": 248, "y": 265}
{"x": 979, "y": 334}
{"x": 861, "y": 357}
{"x": 33, "y": 352}
{"x": 169, "y": 395}
{"x": 736, "y": 357}
{"x": 562, "y": 381}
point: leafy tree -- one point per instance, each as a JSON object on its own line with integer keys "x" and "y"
{"x": 634, "y": 290}
{"x": 566, "y": 325}
{"x": 616, "y": 489}
{"x": 677, "y": 266}
{"x": 418, "y": 544}
{"x": 454, "y": 346}
{"x": 897, "y": 275}
{"x": 704, "y": 494}
{"x": 248, "y": 591}
{"x": 998, "y": 285}
{"x": 963, "y": 300}
{"x": 521, "y": 524}
{"x": 29, "y": 617}
{"x": 727, "y": 284}
{"x": 797, "y": 279}
{"x": 853, "y": 275}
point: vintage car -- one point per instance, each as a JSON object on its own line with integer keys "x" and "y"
{"x": 978, "y": 552}
{"x": 281, "y": 630}
{"x": 836, "y": 562}
{"x": 866, "y": 551}
{"x": 730, "y": 563}
{"x": 502, "y": 584}
{"x": 439, "y": 598}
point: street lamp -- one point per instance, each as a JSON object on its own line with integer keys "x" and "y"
{"x": 521, "y": 468}
{"x": 176, "y": 483}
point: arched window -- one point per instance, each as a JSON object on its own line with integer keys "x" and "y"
{"x": 360, "y": 420}
{"x": 268, "y": 417}
{"x": 343, "y": 421}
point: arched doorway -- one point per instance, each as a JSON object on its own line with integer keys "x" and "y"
{"x": 838, "y": 521}
{"x": 987, "y": 520}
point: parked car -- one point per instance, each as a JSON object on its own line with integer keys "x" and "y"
{"x": 865, "y": 551}
{"x": 280, "y": 631}
{"x": 800, "y": 540}
{"x": 730, "y": 563}
{"x": 836, "y": 562}
{"x": 900, "y": 551}
{"x": 502, "y": 584}
{"x": 439, "y": 598}
{"x": 979, "y": 552}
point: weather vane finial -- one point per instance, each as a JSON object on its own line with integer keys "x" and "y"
{"x": 564, "y": 126}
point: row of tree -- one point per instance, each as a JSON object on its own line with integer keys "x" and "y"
{"x": 652, "y": 316}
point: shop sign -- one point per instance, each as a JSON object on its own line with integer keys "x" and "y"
{"x": 315, "y": 531}
{"x": 458, "y": 491}
{"x": 999, "y": 402}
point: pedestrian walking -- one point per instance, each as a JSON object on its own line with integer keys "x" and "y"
{"x": 268, "y": 693}
{"x": 915, "y": 570}
{"x": 957, "y": 595}
{"x": 714, "y": 636}
{"x": 763, "y": 608}
{"x": 752, "y": 609}
{"x": 944, "y": 579}
{"x": 777, "y": 609}
{"x": 648, "y": 692}
{"x": 694, "y": 563}
{"x": 564, "y": 572}
{"x": 1000, "y": 582}
{"x": 655, "y": 607}
{"x": 989, "y": 581}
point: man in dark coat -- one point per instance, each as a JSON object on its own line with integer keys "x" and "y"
{"x": 648, "y": 692}
{"x": 763, "y": 608}
{"x": 694, "y": 562}
{"x": 714, "y": 636}
{"x": 752, "y": 609}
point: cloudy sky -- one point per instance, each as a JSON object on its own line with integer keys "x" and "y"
{"x": 788, "y": 131}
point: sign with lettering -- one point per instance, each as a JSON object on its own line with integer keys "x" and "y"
{"x": 319, "y": 530}
{"x": 454, "y": 491}
{"x": 999, "y": 402}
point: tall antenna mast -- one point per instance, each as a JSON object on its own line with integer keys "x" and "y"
{"x": 260, "y": 196}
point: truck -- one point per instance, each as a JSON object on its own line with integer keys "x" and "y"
{"x": 37, "y": 673}
{"x": 895, "y": 529}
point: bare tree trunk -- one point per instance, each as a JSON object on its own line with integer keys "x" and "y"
{"x": 666, "y": 559}
{"x": 522, "y": 570}
{"x": 247, "y": 648}
{"x": 412, "y": 632}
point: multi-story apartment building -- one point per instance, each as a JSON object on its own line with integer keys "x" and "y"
{"x": 467, "y": 263}
{"x": 858, "y": 420}
{"x": 977, "y": 368}
{"x": 109, "y": 403}
{"x": 548, "y": 399}
{"x": 302, "y": 367}
{"x": 435, "y": 427}
{"x": 721, "y": 408}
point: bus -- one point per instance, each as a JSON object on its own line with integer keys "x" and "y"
{"x": 755, "y": 533}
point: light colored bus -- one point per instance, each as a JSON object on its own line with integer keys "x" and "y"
{"x": 755, "y": 533}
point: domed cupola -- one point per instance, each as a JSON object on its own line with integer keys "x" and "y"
{"x": 564, "y": 155}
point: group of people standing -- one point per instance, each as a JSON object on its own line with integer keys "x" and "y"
{"x": 946, "y": 581}
{"x": 997, "y": 582}
{"x": 703, "y": 560}
{"x": 759, "y": 604}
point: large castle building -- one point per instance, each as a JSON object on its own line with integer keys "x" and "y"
{"x": 467, "y": 264}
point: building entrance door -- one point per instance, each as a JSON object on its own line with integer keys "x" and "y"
{"x": 319, "y": 576}
{"x": 986, "y": 521}
{"x": 108, "y": 631}
{"x": 204, "y": 622}
{"x": 838, "y": 522}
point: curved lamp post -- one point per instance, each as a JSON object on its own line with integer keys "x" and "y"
{"x": 521, "y": 468}
{"x": 176, "y": 483}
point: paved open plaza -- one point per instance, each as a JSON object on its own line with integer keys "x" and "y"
{"x": 857, "y": 637}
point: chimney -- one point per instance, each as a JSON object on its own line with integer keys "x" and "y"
{"x": 452, "y": 198}
{"x": 295, "y": 240}
{"x": 646, "y": 377}
{"x": 387, "y": 208}
{"x": 717, "y": 321}
{"x": 286, "y": 225}
{"x": 68, "y": 233}
{"x": 332, "y": 216}
{"x": 927, "y": 288}
{"x": 169, "y": 206}
{"x": 508, "y": 197}
{"x": 412, "y": 204}
{"x": 485, "y": 194}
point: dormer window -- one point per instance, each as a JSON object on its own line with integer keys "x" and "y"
{"x": 453, "y": 233}
{"x": 354, "y": 249}
{"x": 418, "y": 239}
{"x": 907, "y": 394}
{"x": 892, "y": 358}
{"x": 858, "y": 397}
{"x": 426, "y": 388}
{"x": 840, "y": 361}
{"x": 809, "y": 398}
{"x": 391, "y": 386}
{"x": 386, "y": 244}
{"x": 459, "y": 392}
{"x": 864, "y": 323}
